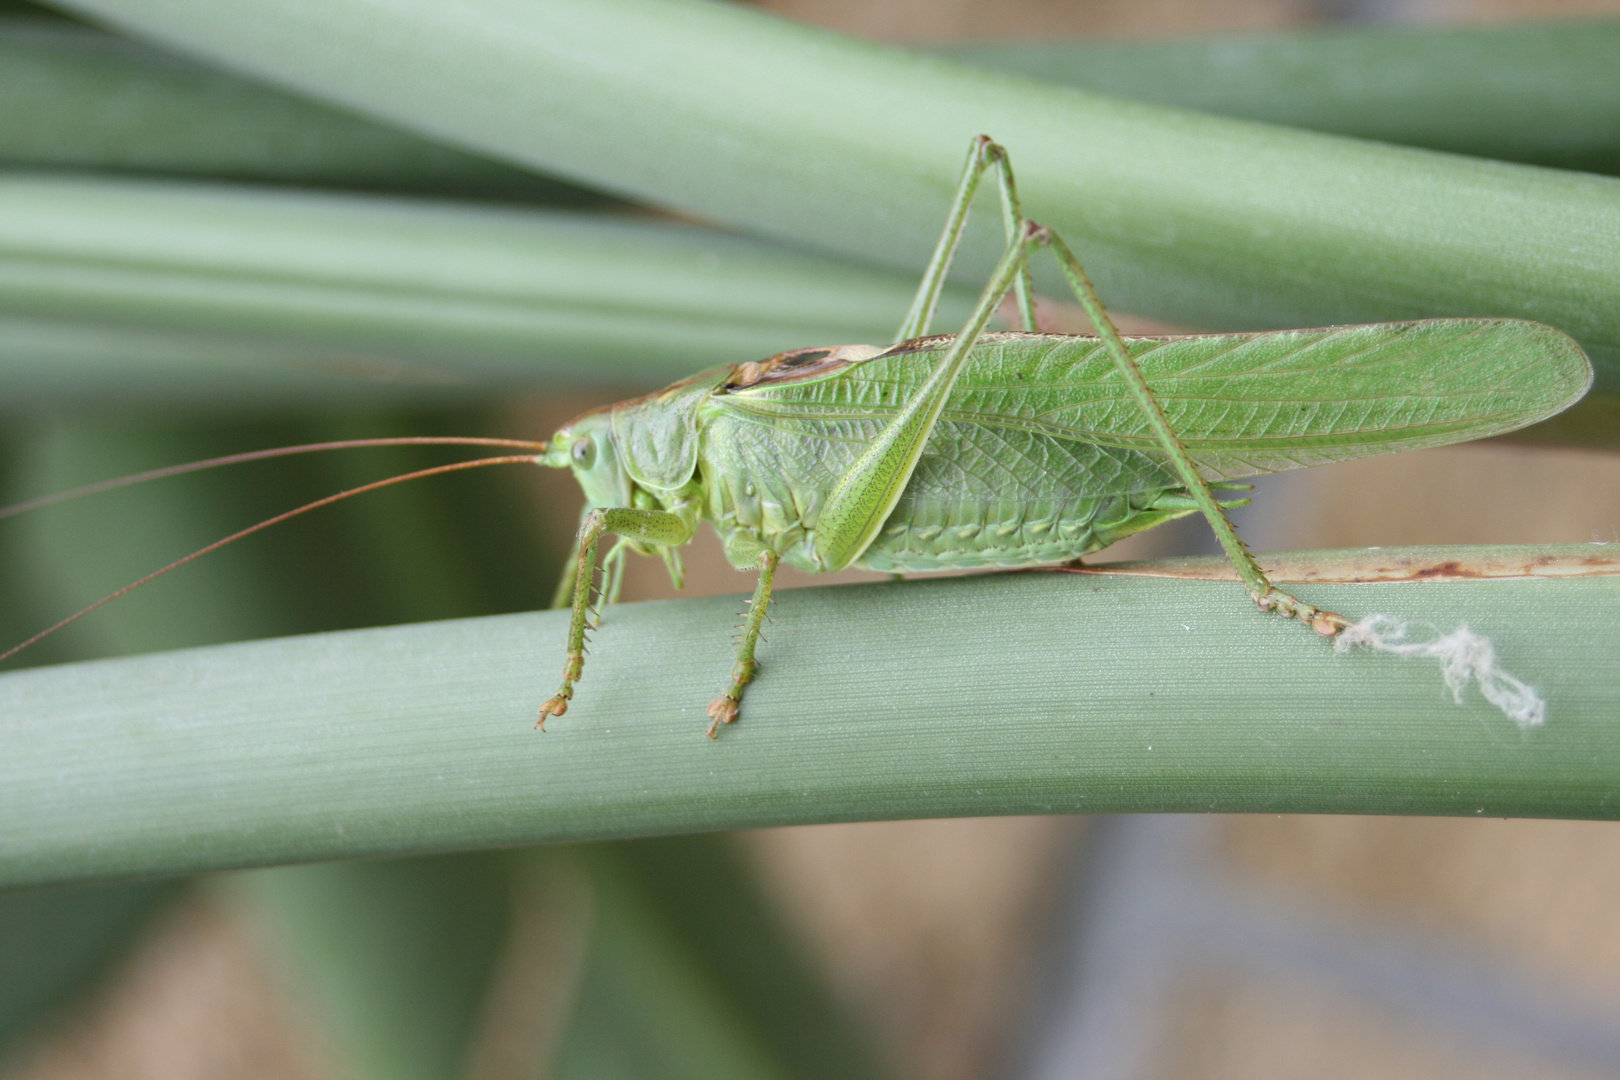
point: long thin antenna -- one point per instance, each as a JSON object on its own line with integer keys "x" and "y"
{"x": 513, "y": 459}
{"x": 259, "y": 455}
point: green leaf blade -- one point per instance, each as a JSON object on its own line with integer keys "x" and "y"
{"x": 799, "y": 134}
{"x": 166, "y": 289}
{"x": 1537, "y": 92}
{"x": 1018, "y": 693}
{"x": 76, "y": 98}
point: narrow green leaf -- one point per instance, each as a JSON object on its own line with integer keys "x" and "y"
{"x": 1535, "y": 93}
{"x": 649, "y": 1006}
{"x": 113, "y": 289}
{"x": 796, "y": 133}
{"x": 76, "y": 98}
{"x": 1540, "y": 93}
{"x": 658, "y": 956}
{"x": 1002, "y": 694}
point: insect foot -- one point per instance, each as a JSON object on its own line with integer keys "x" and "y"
{"x": 724, "y": 711}
{"x": 555, "y": 707}
{"x": 1326, "y": 623}
{"x": 572, "y": 669}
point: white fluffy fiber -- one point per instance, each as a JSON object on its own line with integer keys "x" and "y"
{"x": 1463, "y": 655}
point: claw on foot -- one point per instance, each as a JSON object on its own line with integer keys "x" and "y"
{"x": 724, "y": 711}
{"x": 1329, "y": 624}
{"x": 555, "y": 707}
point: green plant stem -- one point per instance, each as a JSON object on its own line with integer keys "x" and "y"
{"x": 1540, "y": 93}
{"x": 1535, "y": 93}
{"x": 120, "y": 289}
{"x": 1003, "y": 694}
{"x": 76, "y": 98}
{"x": 796, "y": 133}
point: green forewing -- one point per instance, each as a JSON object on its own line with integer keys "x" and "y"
{"x": 1242, "y": 403}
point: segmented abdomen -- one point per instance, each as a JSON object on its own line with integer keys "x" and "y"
{"x": 980, "y": 497}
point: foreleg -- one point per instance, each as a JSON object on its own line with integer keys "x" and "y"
{"x": 647, "y": 526}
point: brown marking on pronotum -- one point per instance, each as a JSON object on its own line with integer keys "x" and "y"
{"x": 746, "y": 375}
{"x": 798, "y": 365}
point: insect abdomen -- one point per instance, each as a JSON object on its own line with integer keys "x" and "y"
{"x": 978, "y": 499}
{"x": 920, "y": 538}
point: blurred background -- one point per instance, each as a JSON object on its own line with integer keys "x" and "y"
{"x": 935, "y": 950}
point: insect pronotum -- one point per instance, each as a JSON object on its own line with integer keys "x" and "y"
{"x": 984, "y": 450}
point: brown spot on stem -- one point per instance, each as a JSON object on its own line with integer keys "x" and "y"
{"x": 1454, "y": 563}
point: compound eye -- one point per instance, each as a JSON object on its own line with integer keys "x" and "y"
{"x": 584, "y": 452}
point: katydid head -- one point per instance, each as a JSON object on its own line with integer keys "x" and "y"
{"x": 587, "y": 446}
{"x": 648, "y": 443}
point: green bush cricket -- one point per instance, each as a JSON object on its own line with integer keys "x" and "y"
{"x": 998, "y": 450}
{"x": 988, "y": 450}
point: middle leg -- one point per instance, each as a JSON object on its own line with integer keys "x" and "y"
{"x": 723, "y": 709}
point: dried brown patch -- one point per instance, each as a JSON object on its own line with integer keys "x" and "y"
{"x": 1387, "y": 564}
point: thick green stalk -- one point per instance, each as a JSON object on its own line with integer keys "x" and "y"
{"x": 1004, "y": 694}
{"x": 125, "y": 289}
{"x": 796, "y": 133}
{"x": 75, "y": 98}
{"x": 1537, "y": 93}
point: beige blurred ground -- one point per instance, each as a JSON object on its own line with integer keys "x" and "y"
{"x": 955, "y": 20}
{"x": 932, "y": 929}
{"x": 192, "y": 1003}
{"x": 1544, "y": 894}
{"x": 1232, "y": 1026}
